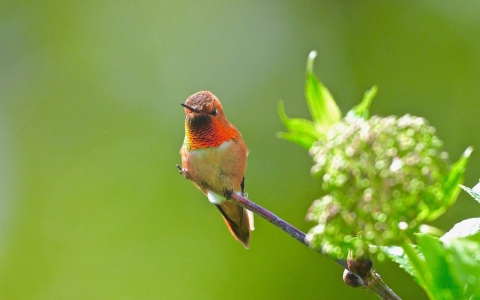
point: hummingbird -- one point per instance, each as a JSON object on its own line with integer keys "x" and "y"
{"x": 214, "y": 157}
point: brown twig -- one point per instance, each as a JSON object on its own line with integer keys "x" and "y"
{"x": 372, "y": 281}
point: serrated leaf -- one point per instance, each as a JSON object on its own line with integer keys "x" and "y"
{"x": 465, "y": 228}
{"x": 397, "y": 255}
{"x": 472, "y": 192}
{"x": 451, "y": 184}
{"x": 445, "y": 282}
{"x": 362, "y": 110}
{"x": 321, "y": 104}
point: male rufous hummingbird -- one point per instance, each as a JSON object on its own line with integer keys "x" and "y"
{"x": 214, "y": 157}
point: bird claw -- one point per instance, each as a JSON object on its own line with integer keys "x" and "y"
{"x": 228, "y": 194}
{"x": 182, "y": 171}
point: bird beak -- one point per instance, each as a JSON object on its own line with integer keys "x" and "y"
{"x": 190, "y": 108}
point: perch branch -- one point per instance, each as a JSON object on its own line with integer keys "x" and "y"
{"x": 372, "y": 281}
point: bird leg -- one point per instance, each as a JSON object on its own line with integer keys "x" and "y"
{"x": 183, "y": 171}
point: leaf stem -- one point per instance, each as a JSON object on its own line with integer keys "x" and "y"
{"x": 418, "y": 265}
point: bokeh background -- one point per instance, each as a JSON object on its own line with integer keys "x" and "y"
{"x": 91, "y": 204}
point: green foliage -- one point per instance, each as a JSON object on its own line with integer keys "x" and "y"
{"x": 451, "y": 185}
{"x": 396, "y": 254}
{"x": 473, "y": 192}
{"x": 362, "y": 110}
{"x": 443, "y": 285}
{"x": 301, "y": 131}
{"x": 462, "y": 245}
{"x": 447, "y": 268}
{"x": 323, "y": 108}
{"x": 384, "y": 177}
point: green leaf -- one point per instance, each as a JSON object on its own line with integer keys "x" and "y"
{"x": 323, "y": 108}
{"x": 397, "y": 255}
{"x": 301, "y": 131}
{"x": 451, "y": 184}
{"x": 452, "y": 263}
{"x": 361, "y": 110}
{"x": 464, "y": 259}
{"x": 473, "y": 192}
{"x": 441, "y": 273}
{"x": 446, "y": 268}
{"x": 463, "y": 229}
{"x": 299, "y": 139}
{"x": 463, "y": 244}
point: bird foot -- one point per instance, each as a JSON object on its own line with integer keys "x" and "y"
{"x": 228, "y": 194}
{"x": 183, "y": 171}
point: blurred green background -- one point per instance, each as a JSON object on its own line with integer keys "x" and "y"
{"x": 91, "y": 204}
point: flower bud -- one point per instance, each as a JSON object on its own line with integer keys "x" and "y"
{"x": 382, "y": 176}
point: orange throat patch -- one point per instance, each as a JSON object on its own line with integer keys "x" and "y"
{"x": 203, "y": 132}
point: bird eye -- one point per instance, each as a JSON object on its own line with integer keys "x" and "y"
{"x": 214, "y": 112}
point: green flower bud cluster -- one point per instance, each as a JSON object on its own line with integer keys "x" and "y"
{"x": 383, "y": 176}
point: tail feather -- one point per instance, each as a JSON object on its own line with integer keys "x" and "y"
{"x": 238, "y": 221}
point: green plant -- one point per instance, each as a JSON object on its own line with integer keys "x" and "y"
{"x": 383, "y": 178}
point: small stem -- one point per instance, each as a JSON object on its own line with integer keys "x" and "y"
{"x": 382, "y": 290}
{"x": 418, "y": 265}
{"x": 373, "y": 282}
